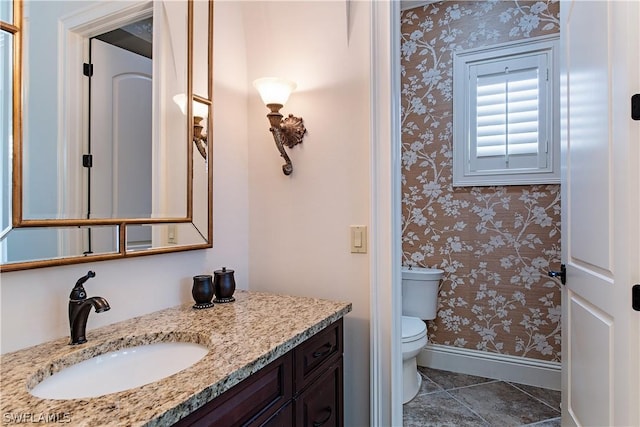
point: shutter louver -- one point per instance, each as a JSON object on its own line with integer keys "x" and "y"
{"x": 507, "y": 114}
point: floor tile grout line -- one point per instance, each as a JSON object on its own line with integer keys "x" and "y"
{"x": 542, "y": 422}
{"x": 424, "y": 377}
{"x": 534, "y": 397}
{"x": 468, "y": 407}
{"x": 490, "y": 381}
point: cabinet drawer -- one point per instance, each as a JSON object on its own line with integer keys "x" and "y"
{"x": 251, "y": 402}
{"x": 320, "y": 405}
{"x": 312, "y": 357}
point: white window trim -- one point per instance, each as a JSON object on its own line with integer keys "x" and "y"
{"x": 462, "y": 61}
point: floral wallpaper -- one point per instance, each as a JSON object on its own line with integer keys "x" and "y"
{"x": 495, "y": 244}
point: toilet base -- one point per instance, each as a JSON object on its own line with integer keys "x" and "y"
{"x": 411, "y": 379}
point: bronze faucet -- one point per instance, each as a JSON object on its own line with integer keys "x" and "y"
{"x": 79, "y": 308}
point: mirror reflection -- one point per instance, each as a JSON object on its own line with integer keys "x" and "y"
{"x": 106, "y": 157}
{"x": 56, "y": 243}
{"x": 6, "y": 131}
{"x": 117, "y": 161}
{"x": 96, "y": 157}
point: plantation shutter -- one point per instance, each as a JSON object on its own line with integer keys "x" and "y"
{"x": 508, "y": 114}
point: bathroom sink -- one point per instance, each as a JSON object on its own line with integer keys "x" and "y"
{"x": 120, "y": 370}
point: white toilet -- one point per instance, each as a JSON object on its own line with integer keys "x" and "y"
{"x": 419, "y": 302}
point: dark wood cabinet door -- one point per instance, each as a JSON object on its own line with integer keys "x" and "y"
{"x": 320, "y": 405}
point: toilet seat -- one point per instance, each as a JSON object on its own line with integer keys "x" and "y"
{"x": 412, "y": 329}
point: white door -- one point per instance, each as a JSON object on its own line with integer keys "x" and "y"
{"x": 121, "y": 141}
{"x": 601, "y": 215}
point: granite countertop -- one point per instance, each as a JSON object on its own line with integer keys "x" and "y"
{"x": 242, "y": 337}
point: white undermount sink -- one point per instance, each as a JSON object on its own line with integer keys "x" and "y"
{"x": 120, "y": 370}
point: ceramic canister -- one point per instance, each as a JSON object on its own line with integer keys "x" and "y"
{"x": 202, "y": 291}
{"x": 224, "y": 285}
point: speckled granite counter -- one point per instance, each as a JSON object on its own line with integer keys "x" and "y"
{"x": 242, "y": 336}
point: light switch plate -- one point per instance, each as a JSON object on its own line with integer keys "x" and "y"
{"x": 172, "y": 234}
{"x": 358, "y": 239}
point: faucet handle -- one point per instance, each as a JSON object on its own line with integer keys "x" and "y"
{"x": 78, "y": 292}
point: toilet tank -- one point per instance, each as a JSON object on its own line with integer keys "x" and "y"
{"x": 420, "y": 292}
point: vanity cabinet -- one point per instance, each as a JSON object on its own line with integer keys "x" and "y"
{"x": 302, "y": 388}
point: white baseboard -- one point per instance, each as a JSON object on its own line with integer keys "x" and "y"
{"x": 515, "y": 369}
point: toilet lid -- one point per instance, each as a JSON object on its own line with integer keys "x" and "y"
{"x": 412, "y": 328}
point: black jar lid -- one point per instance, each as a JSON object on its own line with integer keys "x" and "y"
{"x": 223, "y": 271}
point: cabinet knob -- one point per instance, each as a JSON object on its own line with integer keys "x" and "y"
{"x": 329, "y": 412}
{"x": 320, "y": 353}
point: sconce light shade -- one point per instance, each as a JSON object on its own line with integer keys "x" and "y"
{"x": 199, "y": 109}
{"x": 274, "y": 90}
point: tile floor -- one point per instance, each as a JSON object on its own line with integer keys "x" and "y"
{"x": 458, "y": 400}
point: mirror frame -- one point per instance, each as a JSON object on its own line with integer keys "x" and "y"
{"x": 18, "y": 221}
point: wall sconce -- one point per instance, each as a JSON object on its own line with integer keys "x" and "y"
{"x": 200, "y": 111}
{"x": 287, "y": 131}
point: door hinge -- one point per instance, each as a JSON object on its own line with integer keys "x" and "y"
{"x": 87, "y": 69}
{"x": 562, "y": 274}
{"x": 635, "y": 297}
{"x": 635, "y": 106}
{"x": 87, "y": 160}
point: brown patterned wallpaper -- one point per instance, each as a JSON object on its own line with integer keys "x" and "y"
{"x": 495, "y": 244}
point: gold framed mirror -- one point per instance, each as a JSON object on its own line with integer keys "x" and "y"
{"x": 102, "y": 162}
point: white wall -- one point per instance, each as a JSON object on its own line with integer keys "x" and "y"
{"x": 299, "y": 225}
{"x": 33, "y": 303}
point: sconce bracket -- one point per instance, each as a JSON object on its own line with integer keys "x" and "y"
{"x": 293, "y": 129}
{"x": 199, "y": 139}
{"x": 287, "y": 132}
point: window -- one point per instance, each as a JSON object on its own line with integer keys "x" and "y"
{"x": 505, "y": 115}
